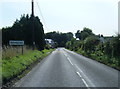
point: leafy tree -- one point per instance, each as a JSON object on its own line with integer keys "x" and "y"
{"x": 111, "y": 48}
{"x": 68, "y": 45}
{"x": 60, "y": 38}
{"x": 90, "y": 43}
{"x": 77, "y": 35}
{"x": 69, "y": 36}
{"x": 22, "y": 30}
{"x": 115, "y": 43}
{"x": 84, "y": 33}
{"x": 108, "y": 49}
{"x": 39, "y": 34}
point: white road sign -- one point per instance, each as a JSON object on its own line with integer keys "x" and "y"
{"x": 16, "y": 42}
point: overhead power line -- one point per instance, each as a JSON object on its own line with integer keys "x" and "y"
{"x": 41, "y": 15}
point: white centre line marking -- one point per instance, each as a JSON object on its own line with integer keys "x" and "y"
{"x": 64, "y": 54}
{"x": 83, "y": 80}
{"x": 78, "y": 68}
{"x": 85, "y": 77}
{"x": 69, "y": 60}
{"x": 79, "y": 74}
{"x": 85, "y": 83}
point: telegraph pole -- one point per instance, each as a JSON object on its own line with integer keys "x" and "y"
{"x": 33, "y": 32}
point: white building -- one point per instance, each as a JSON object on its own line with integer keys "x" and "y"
{"x": 102, "y": 39}
{"x": 50, "y": 42}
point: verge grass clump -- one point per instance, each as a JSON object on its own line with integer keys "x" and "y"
{"x": 10, "y": 51}
{"x": 15, "y": 65}
{"x": 99, "y": 56}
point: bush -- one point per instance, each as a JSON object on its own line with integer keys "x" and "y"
{"x": 90, "y": 43}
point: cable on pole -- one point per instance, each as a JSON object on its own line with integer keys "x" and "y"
{"x": 41, "y": 15}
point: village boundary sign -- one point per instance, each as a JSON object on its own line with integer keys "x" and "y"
{"x": 16, "y": 42}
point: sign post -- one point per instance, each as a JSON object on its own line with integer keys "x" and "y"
{"x": 17, "y": 43}
{"x": 22, "y": 49}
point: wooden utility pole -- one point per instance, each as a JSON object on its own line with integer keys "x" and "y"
{"x": 32, "y": 7}
{"x": 33, "y": 32}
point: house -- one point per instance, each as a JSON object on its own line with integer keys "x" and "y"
{"x": 108, "y": 38}
{"x": 105, "y": 38}
{"x": 102, "y": 39}
{"x": 50, "y": 42}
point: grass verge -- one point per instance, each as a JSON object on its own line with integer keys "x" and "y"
{"x": 15, "y": 66}
{"x": 100, "y": 57}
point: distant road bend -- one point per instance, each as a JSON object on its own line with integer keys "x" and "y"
{"x": 64, "y": 68}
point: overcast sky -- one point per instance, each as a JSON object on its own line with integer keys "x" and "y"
{"x": 65, "y": 15}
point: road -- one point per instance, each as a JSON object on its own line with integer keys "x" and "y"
{"x": 64, "y": 68}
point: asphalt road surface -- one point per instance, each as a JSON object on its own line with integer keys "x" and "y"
{"x": 64, "y": 68}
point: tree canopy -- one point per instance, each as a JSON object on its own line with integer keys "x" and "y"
{"x": 60, "y": 38}
{"x": 84, "y": 33}
{"x": 22, "y": 30}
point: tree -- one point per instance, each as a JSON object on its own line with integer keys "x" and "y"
{"x": 84, "y": 33}
{"x": 22, "y": 30}
{"x": 39, "y": 34}
{"x": 60, "y": 38}
{"x": 69, "y": 36}
{"x": 115, "y": 43}
{"x": 108, "y": 49}
{"x": 68, "y": 45}
{"x": 90, "y": 43}
{"x": 77, "y": 35}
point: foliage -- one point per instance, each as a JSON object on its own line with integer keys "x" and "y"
{"x": 84, "y": 33}
{"x": 89, "y": 45}
{"x": 77, "y": 35}
{"x": 108, "y": 49}
{"x": 115, "y": 43}
{"x": 14, "y": 66}
{"x": 22, "y": 30}
{"x": 60, "y": 38}
{"x": 11, "y": 51}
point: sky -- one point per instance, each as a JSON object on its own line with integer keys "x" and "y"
{"x": 65, "y": 15}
